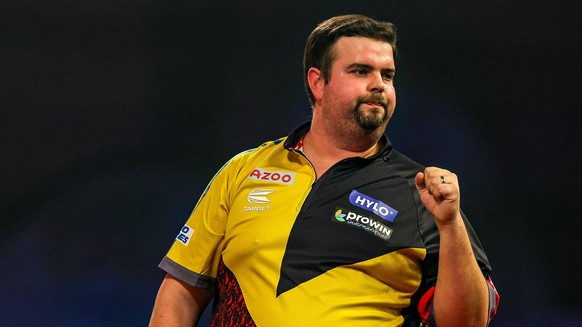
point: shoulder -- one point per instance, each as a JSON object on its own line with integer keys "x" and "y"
{"x": 253, "y": 156}
{"x": 242, "y": 164}
{"x": 406, "y": 167}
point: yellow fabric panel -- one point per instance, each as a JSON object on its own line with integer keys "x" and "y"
{"x": 355, "y": 295}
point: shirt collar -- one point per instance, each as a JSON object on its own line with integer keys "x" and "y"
{"x": 295, "y": 140}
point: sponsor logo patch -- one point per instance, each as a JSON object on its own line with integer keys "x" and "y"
{"x": 280, "y": 177}
{"x": 185, "y": 235}
{"x": 258, "y": 197}
{"x": 377, "y": 207}
{"x": 367, "y": 224}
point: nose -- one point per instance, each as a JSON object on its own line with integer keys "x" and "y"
{"x": 376, "y": 83}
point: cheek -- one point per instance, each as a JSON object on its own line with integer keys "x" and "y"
{"x": 391, "y": 97}
{"x": 391, "y": 94}
{"x": 341, "y": 95}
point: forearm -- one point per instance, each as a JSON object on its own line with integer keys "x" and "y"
{"x": 461, "y": 296}
{"x": 178, "y": 304}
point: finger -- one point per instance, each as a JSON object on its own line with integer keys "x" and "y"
{"x": 440, "y": 182}
{"x": 432, "y": 179}
{"x": 436, "y": 175}
{"x": 419, "y": 180}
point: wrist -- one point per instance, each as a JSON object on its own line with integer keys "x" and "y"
{"x": 451, "y": 225}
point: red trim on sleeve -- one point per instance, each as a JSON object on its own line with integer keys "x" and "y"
{"x": 493, "y": 312}
{"x": 424, "y": 304}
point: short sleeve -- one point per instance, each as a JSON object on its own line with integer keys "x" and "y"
{"x": 195, "y": 253}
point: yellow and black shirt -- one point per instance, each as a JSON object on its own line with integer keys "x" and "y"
{"x": 355, "y": 247}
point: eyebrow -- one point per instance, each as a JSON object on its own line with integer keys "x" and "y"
{"x": 370, "y": 67}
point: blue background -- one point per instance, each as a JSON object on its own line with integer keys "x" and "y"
{"x": 114, "y": 115}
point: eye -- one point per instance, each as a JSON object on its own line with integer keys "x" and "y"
{"x": 360, "y": 71}
{"x": 388, "y": 76}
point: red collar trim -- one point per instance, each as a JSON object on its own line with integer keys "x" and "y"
{"x": 299, "y": 145}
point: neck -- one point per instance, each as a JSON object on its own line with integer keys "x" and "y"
{"x": 324, "y": 151}
{"x": 326, "y": 147}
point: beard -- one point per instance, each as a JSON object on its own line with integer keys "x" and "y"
{"x": 373, "y": 119}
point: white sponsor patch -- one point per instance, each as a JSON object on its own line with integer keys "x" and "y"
{"x": 264, "y": 175}
{"x": 368, "y": 224}
{"x": 185, "y": 235}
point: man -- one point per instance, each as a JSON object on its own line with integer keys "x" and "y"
{"x": 331, "y": 226}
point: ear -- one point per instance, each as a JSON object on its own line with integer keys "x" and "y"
{"x": 315, "y": 82}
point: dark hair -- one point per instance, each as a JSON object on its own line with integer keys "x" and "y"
{"x": 320, "y": 43}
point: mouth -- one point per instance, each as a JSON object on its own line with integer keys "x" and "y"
{"x": 374, "y": 103}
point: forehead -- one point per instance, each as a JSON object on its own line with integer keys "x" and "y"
{"x": 356, "y": 49}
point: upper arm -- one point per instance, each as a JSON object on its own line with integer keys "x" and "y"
{"x": 178, "y": 303}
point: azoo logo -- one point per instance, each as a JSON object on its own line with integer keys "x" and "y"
{"x": 272, "y": 176}
{"x": 259, "y": 196}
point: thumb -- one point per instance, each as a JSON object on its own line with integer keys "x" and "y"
{"x": 419, "y": 181}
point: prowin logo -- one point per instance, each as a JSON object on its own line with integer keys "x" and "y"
{"x": 368, "y": 224}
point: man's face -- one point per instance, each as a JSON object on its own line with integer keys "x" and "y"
{"x": 360, "y": 91}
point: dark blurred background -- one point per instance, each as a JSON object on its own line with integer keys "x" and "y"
{"x": 115, "y": 115}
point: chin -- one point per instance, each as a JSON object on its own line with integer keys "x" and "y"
{"x": 372, "y": 125}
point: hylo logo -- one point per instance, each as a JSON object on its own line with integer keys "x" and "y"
{"x": 376, "y": 206}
